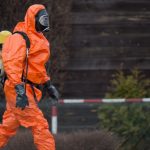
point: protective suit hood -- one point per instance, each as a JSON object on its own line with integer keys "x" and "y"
{"x": 30, "y": 16}
{"x": 29, "y": 21}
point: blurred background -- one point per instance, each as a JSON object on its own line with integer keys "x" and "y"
{"x": 99, "y": 49}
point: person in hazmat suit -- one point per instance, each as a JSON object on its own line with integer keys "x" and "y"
{"x": 22, "y": 98}
{"x": 3, "y": 36}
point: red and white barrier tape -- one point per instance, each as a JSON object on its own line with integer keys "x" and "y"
{"x": 131, "y": 100}
{"x": 54, "y": 123}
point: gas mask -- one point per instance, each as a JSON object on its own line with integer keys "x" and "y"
{"x": 42, "y": 21}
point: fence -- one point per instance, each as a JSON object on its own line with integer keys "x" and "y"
{"x": 54, "y": 112}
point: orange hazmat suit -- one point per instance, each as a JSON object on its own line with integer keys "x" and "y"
{"x": 13, "y": 55}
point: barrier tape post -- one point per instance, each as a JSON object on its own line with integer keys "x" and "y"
{"x": 54, "y": 120}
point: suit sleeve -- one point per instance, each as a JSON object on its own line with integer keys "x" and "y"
{"x": 46, "y": 67}
{"x": 13, "y": 55}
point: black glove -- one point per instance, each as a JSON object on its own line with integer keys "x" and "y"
{"x": 21, "y": 100}
{"x": 52, "y": 91}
